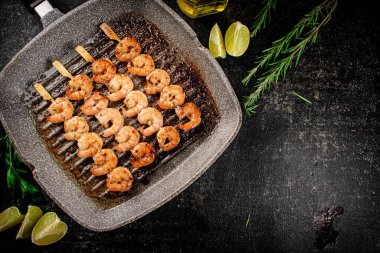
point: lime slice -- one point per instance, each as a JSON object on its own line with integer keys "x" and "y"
{"x": 33, "y": 214}
{"x": 216, "y": 44}
{"x": 10, "y": 217}
{"x": 237, "y": 39}
{"x": 49, "y": 229}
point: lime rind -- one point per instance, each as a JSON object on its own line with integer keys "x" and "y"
{"x": 10, "y": 217}
{"x": 216, "y": 43}
{"x": 237, "y": 39}
{"x": 33, "y": 214}
{"x": 49, "y": 229}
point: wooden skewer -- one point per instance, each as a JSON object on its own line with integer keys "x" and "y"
{"x": 86, "y": 55}
{"x": 109, "y": 32}
{"x": 43, "y": 92}
{"x": 61, "y": 69}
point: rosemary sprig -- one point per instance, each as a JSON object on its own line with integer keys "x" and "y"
{"x": 16, "y": 169}
{"x": 263, "y": 16}
{"x": 278, "y": 68}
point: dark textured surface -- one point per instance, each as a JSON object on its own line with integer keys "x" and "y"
{"x": 289, "y": 161}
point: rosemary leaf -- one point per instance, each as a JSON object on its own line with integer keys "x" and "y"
{"x": 301, "y": 97}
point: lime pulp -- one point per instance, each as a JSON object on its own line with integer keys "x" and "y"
{"x": 216, "y": 43}
{"x": 237, "y": 39}
{"x": 33, "y": 214}
{"x": 49, "y": 229}
{"x": 10, "y": 217}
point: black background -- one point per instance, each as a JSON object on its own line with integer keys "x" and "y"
{"x": 289, "y": 160}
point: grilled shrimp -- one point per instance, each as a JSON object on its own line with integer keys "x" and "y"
{"x": 168, "y": 138}
{"x": 156, "y": 81}
{"x": 191, "y": 111}
{"x": 89, "y": 144}
{"x": 79, "y": 87}
{"x": 135, "y": 102}
{"x": 143, "y": 154}
{"x": 151, "y": 117}
{"x": 113, "y": 115}
{"x": 119, "y": 180}
{"x": 119, "y": 86}
{"x": 94, "y": 103}
{"x": 141, "y": 65}
{"x": 103, "y": 71}
{"x": 127, "y": 137}
{"x": 127, "y": 49}
{"x": 171, "y": 96}
{"x": 75, "y": 127}
{"x": 104, "y": 162}
{"x": 60, "y": 110}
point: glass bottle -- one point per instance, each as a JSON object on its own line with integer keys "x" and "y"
{"x": 199, "y": 8}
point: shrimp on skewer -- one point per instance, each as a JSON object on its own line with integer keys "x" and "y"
{"x": 191, "y": 111}
{"x": 151, "y": 117}
{"x": 94, "y": 103}
{"x": 127, "y": 137}
{"x": 103, "y": 70}
{"x": 168, "y": 138}
{"x": 171, "y": 96}
{"x": 110, "y": 115}
{"x": 156, "y": 81}
{"x": 79, "y": 86}
{"x": 127, "y": 49}
{"x": 104, "y": 162}
{"x": 75, "y": 127}
{"x": 135, "y": 102}
{"x": 60, "y": 110}
{"x": 141, "y": 65}
{"x": 143, "y": 154}
{"x": 119, "y": 180}
{"x": 89, "y": 144}
{"x": 119, "y": 86}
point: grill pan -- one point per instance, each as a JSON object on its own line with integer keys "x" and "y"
{"x": 171, "y": 175}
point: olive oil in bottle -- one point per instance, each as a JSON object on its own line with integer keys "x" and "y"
{"x": 199, "y": 8}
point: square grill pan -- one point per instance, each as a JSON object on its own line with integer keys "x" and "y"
{"x": 172, "y": 175}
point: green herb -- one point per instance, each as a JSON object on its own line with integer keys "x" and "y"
{"x": 263, "y": 16}
{"x": 248, "y": 220}
{"x": 305, "y": 32}
{"x": 16, "y": 170}
{"x": 301, "y": 97}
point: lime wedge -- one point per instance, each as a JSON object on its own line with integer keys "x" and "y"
{"x": 49, "y": 229}
{"x": 237, "y": 39}
{"x": 216, "y": 44}
{"x": 33, "y": 214}
{"x": 10, "y": 217}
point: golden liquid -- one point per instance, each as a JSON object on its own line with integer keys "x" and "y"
{"x": 199, "y": 8}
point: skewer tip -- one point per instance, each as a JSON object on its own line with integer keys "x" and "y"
{"x": 85, "y": 54}
{"x": 43, "y": 92}
{"x": 62, "y": 70}
{"x": 109, "y": 32}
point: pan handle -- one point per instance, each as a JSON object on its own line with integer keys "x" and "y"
{"x": 44, "y": 9}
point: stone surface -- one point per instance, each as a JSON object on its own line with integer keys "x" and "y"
{"x": 289, "y": 161}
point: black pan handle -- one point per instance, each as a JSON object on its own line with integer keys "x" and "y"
{"x": 44, "y": 9}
